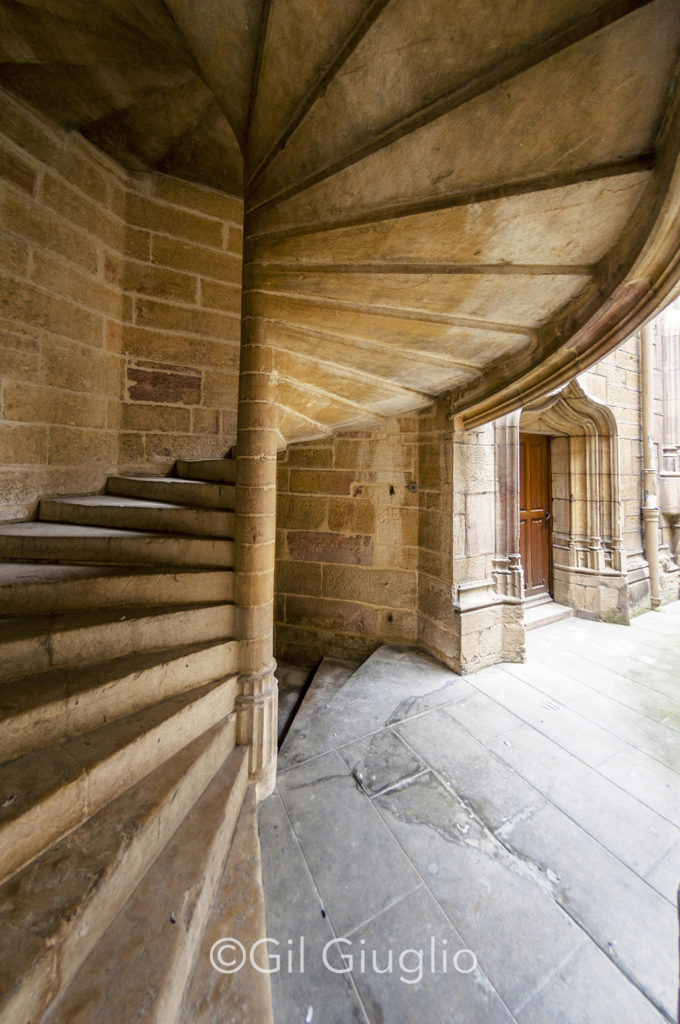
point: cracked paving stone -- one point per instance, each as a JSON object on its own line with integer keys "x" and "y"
{"x": 501, "y": 903}
{"x": 343, "y": 839}
{"x": 380, "y": 761}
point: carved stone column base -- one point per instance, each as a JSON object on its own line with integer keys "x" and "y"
{"x": 257, "y": 710}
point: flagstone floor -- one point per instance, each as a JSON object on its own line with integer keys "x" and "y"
{"x": 485, "y": 849}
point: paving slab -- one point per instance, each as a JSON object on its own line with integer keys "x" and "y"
{"x": 330, "y": 675}
{"x": 530, "y": 812}
{"x": 659, "y": 741}
{"x": 381, "y": 761}
{"x": 625, "y": 826}
{"x": 588, "y": 675}
{"x": 394, "y": 683}
{"x": 410, "y": 964}
{"x": 343, "y": 838}
{"x": 621, "y": 913}
{"x": 647, "y": 779}
{"x": 494, "y": 791}
{"x": 589, "y": 741}
{"x": 665, "y": 874}
{"x": 482, "y": 717}
{"x": 589, "y": 988}
{"x": 501, "y": 904}
{"x": 295, "y": 911}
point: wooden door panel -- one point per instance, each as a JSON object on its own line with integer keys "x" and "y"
{"x": 534, "y": 516}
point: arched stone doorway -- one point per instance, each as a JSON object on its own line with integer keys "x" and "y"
{"x": 587, "y": 570}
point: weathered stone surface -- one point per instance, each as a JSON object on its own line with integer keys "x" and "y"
{"x": 523, "y": 854}
{"x": 238, "y": 910}
{"x": 85, "y": 879}
{"x": 309, "y": 546}
{"x": 159, "y": 386}
{"x": 161, "y": 926}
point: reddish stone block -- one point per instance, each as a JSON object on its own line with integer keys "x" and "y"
{"x": 163, "y": 387}
{"x": 310, "y": 546}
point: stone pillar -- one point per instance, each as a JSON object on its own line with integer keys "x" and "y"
{"x": 650, "y": 511}
{"x": 508, "y": 571}
{"x": 256, "y": 449}
{"x": 438, "y": 631}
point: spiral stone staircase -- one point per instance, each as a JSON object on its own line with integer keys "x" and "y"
{"x": 437, "y": 201}
{"x": 121, "y": 784}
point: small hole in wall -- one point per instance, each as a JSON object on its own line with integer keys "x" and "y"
{"x": 391, "y": 489}
{"x": 390, "y": 617}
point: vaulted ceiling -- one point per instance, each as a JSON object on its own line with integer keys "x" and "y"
{"x": 440, "y": 196}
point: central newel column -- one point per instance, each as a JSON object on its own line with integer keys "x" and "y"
{"x": 255, "y": 535}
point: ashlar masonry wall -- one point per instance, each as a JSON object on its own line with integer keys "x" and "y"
{"x": 119, "y": 315}
{"x": 62, "y": 220}
{"x": 180, "y": 332}
{"x": 616, "y": 382}
{"x": 347, "y": 543}
{"x": 389, "y": 536}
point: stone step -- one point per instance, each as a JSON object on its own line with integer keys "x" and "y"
{"x": 54, "y": 789}
{"x": 44, "y": 588}
{"x": 544, "y": 613}
{"x": 66, "y": 542}
{"x": 56, "y": 909}
{"x": 159, "y": 930}
{"x": 213, "y": 470}
{"x": 36, "y": 644}
{"x": 238, "y": 910}
{"x": 174, "y": 490}
{"x": 137, "y": 514}
{"x": 46, "y": 709}
{"x": 327, "y": 681}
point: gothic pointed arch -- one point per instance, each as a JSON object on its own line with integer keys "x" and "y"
{"x": 587, "y": 549}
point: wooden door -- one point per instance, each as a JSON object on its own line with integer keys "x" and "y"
{"x": 534, "y": 513}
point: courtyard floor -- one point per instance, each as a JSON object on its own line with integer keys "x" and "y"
{"x": 498, "y": 847}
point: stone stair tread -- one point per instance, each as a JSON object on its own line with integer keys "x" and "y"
{"x": 33, "y": 644}
{"x": 57, "y": 907}
{"x": 544, "y": 613}
{"x": 176, "y": 490}
{"x": 53, "y": 789}
{"x": 41, "y": 540}
{"x": 28, "y": 588}
{"x": 155, "y": 936}
{"x": 209, "y": 470}
{"x": 50, "y": 572}
{"x": 238, "y": 911}
{"x": 161, "y": 516}
{"x": 14, "y": 628}
{"x": 117, "y": 500}
{"x": 46, "y": 528}
{"x": 65, "y": 701}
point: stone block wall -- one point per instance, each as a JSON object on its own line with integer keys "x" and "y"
{"x": 437, "y": 629}
{"x": 347, "y": 543}
{"x": 119, "y": 315}
{"x": 180, "y": 338}
{"x": 389, "y": 536}
{"x": 61, "y": 219}
{"x": 615, "y": 381}
{"x": 489, "y": 624}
